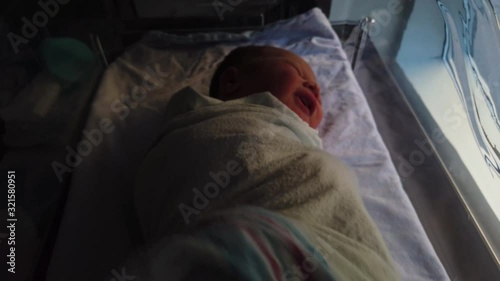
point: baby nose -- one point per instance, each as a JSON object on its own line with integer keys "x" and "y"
{"x": 313, "y": 87}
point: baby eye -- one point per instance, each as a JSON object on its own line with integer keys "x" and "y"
{"x": 299, "y": 72}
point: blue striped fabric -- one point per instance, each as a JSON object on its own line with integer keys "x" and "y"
{"x": 258, "y": 244}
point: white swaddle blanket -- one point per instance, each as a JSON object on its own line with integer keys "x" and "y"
{"x": 255, "y": 151}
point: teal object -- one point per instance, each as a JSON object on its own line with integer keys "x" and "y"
{"x": 67, "y": 59}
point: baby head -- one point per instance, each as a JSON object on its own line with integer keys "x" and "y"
{"x": 254, "y": 69}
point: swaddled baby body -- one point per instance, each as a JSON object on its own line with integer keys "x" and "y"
{"x": 238, "y": 187}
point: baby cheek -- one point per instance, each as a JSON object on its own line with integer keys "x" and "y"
{"x": 316, "y": 119}
{"x": 287, "y": 87}
{"x": 280, "y": 82}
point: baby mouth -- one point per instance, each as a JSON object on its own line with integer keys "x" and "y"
{"x": 307, "y": 100}
{"x": 305, "y": 105}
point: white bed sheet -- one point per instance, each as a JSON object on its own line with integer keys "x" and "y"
{"x": 97, "y": 232}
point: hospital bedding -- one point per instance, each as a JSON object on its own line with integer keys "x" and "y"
{"x": 97, "y": 233}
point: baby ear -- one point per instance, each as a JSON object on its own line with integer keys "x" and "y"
{"x": 229, "y": 83}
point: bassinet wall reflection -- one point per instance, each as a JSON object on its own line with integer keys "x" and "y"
{"x": 106, "y": 175}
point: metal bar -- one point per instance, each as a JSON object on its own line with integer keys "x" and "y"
{"x": 364, "y": 29}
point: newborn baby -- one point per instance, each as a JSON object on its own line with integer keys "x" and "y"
{"x": 238, "y": 188}
{"x": 255, "y": 69}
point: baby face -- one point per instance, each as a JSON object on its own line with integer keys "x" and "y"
{"x": 285, "y": 75}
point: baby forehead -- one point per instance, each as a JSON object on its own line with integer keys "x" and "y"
{"x": 282, "y": 54}
{"x": 288, "y": 57}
